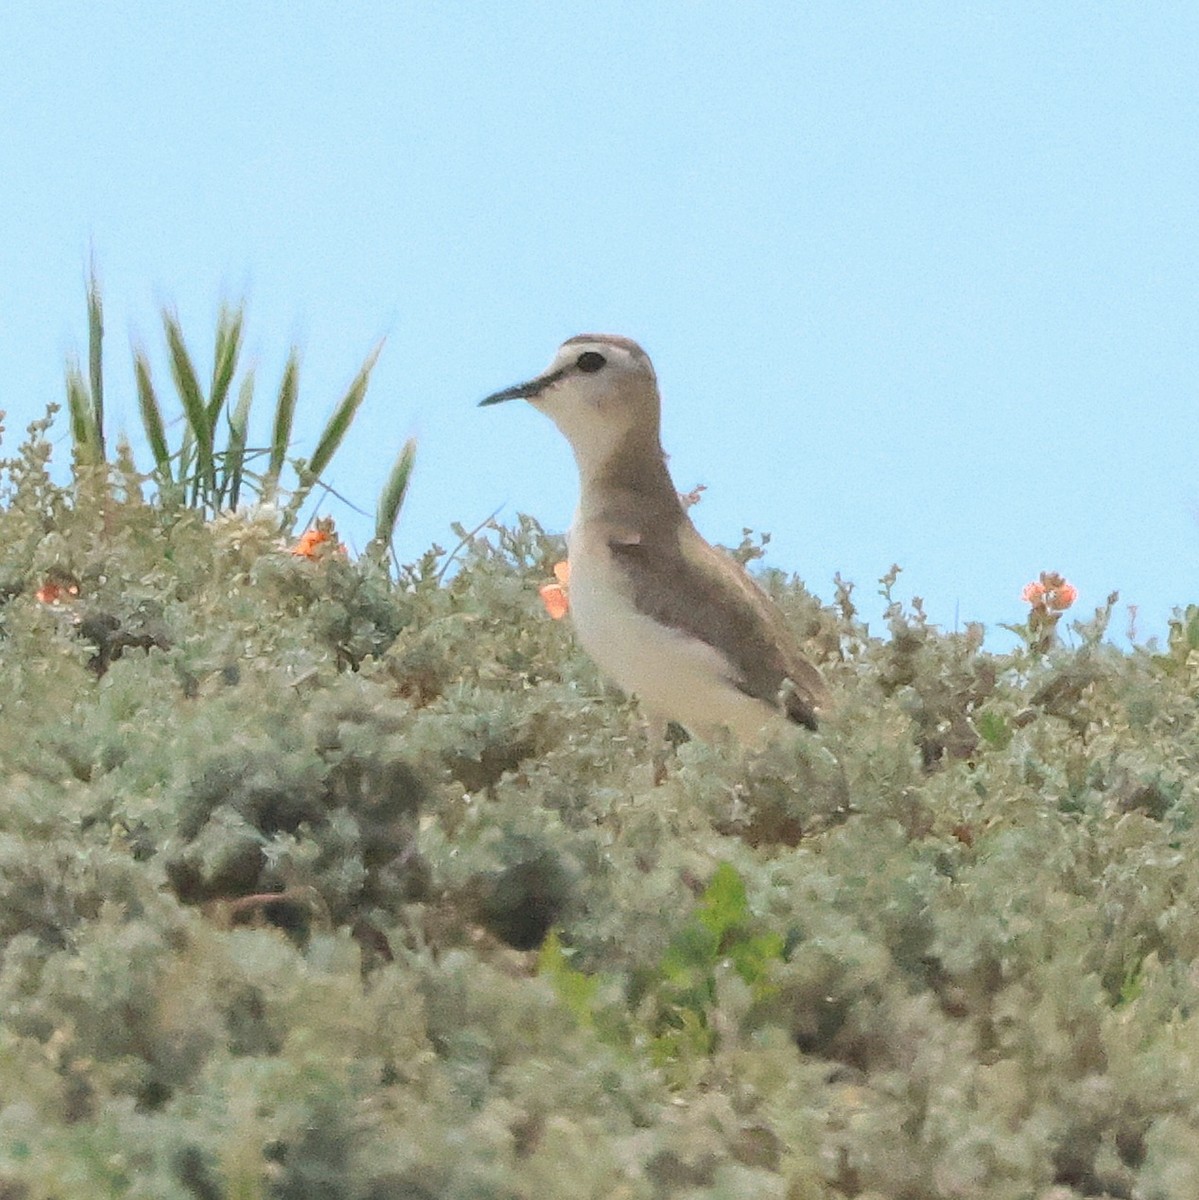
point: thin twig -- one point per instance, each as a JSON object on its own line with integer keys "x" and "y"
{"x": 454, "y": 553}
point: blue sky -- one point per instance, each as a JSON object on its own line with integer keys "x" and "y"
{"x": 920, "y": 281}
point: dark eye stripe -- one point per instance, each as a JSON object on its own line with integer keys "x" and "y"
{"x": 590, "y": 361}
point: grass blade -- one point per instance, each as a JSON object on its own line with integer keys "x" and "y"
{"x": 391, "y": 498}
{"x": 194, "y": 409}
{"x": 224, "y": 359}
{"x": 95, "y": 357}
{"x": 285, "y": 411}
{"x": 235, "y": 456}
{"x": 337, "y": 426}
{"x": 83, "y": 429}
{"x": 187, "y": 457}
{"x": 339, "y": 423}
{"x": 151, "y": 414}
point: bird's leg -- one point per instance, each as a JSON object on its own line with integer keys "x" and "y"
{"x": 661, "y": 747}
{"x": 665, "y": 737}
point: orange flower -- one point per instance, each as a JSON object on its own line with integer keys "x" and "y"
{"x": 318, "y": 542}
{"x": 1063, "y": 596}
{"x": 1050, "y": 593}
{"x": 58, "y": 588}
{"x": 554, "y": 595}
{"x": 1033, "y": 592}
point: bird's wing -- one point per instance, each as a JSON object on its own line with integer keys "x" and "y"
{"x": 735, "y": 617}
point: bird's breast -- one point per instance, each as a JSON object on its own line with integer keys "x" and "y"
{"x": 675, "y": 675}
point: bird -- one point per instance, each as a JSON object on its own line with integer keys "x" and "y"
{"x": 663, "y": 613}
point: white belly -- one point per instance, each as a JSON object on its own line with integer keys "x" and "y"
{"x": 675, "y": 676}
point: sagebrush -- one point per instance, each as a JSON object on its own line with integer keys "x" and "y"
{"x": 316, "y": 882}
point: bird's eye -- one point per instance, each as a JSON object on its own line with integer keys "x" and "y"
{"x": 590, "y": 361}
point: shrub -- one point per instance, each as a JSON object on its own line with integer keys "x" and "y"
{"x": 316, "y": 881}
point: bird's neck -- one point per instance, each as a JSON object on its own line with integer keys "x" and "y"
{"x": 630, "y": 484}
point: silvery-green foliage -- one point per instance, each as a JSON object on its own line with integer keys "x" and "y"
{"x": 319, "y": 882}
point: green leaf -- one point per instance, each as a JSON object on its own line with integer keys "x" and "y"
{"x": 687, "y": 1040}
{"x": 77, "y": 406}
{"x": 285, "y": 409}
{"x": 574, "y": 989}
{"x": 151, "y": 414}
{"x": 95, "y": 357}
{"x": 235, "y": 456}
{"x": 194, "y": 409}
{"x": 692, "y": 953}
{"x": 723, "y": 904}
{"x": 334, "y": 431}
{"x": 994, "y": 730}
{"x": 339, "y": 423}
{"x": 83, "y": 429}
{"x": 391, "y": 498}
{"x": 224, "y": 359}
{"x": 187, "y": 455}
{"x": 753, "y": 955}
